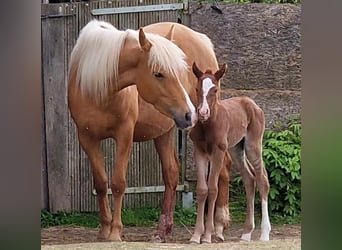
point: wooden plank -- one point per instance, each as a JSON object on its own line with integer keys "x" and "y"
{"x": 55, "y": 114}
{"x": 145, "y": 189}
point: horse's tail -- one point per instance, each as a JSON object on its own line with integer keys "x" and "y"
{"x": 94, "y": 59}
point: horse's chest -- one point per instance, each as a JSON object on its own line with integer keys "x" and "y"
{"x": 210, "y": 142}
{"x": 208, "y": 139}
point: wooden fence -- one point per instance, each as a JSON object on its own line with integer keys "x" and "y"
{"x": 66, "y": 178}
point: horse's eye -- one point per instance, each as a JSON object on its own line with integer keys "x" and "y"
{"x": 158, "y": 75}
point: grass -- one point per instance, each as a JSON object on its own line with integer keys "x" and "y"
{"x": 148, "y": 217}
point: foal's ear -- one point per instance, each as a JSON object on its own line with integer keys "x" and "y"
{"x": 198, "y": 73}
{"x": 218, "y": 75}
{"x": 169, "y": 34}
{"x": 143, "y": 41}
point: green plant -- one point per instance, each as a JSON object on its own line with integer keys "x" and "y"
{"x": 48, "y": 219}
{"x": 185, "y": 216}
{"x": 140, "y": 217}
{"x": 282, "y": 158}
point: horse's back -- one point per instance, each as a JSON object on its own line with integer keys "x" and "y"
{"x": 244, "y": 109}
{"x": 197, "y": 46}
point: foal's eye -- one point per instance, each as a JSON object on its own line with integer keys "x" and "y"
{"x": 158, "y": 75}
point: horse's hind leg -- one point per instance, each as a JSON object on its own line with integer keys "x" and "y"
{"x": 253, "y": 148}
{"x": 222, "y": 202}
{"x": 248, "y": 180}
{"x": 165, "y": 146}
{"x": 92, "y": 148}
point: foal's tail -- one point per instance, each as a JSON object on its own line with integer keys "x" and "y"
{"x": 94, "y": 60}
{"x": 250, "y": 168}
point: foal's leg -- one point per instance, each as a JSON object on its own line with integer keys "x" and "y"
{"x": 253, "y": 149}
{"x": 165, "y": 146}
{"x": 201, "y": 161}
{"x": 221, "y": 207}
{"x": 216, "y": 161}
{"x": 92, "y": 148}
{"x": 124, "y": 142}
{"x": 248, "y": 180}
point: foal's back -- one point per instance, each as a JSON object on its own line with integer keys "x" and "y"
{"x": 243, "y": 116}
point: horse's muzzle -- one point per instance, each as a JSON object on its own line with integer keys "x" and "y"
{"x": 186, "y": 121}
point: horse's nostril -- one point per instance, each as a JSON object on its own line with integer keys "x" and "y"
{"x": 188, "y": 116}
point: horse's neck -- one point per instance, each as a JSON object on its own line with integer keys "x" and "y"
{"x": 129, "y": 59}
{"x": 199, "y": 46}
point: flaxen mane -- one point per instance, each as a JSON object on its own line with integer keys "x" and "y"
{"x": 95, "y": 57}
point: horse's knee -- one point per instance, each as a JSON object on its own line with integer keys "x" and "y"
{"x": 212, "y": 190}
{"x": 118, "y": 188}
{"x": 202, "y": 193}
{"x": 101, "y": 187}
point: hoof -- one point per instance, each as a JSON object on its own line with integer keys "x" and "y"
{"x": 264, "y": 237}
{"x": 219, "y": 238}
{"x": 246, "y": 237}
{"x": 103, "y": 234}
{"x": 195, "y": 240}
{"x": 114, "y": 237}
{"x": 157, "y": 239}
{"x": 205, "y": 242}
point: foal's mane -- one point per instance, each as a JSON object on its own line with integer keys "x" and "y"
{"x": 95, "y": 57}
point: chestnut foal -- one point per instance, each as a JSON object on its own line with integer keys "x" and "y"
{"x": 235, "y": 125}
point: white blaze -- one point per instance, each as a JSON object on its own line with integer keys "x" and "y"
{"x": 204, "y": 107}
{"x": 191, "y": 107}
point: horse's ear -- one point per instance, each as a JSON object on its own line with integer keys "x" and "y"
{"x": 220, "y": 72}
{"x": 169, "y": 34}
{"x": 198, "y": 73}
{"x": 143, "y": 41}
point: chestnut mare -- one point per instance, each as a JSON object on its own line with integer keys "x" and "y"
{"x": 104, "y": 61}
{"x": 234, "y": 125}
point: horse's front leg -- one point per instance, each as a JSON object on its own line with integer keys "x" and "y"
{"x": 92, "y": 148}
{"x": 221, "y": 206}
{"x": 216, "y": 161}
{"x": 124, "y": 142}
{"x": 165, "y": 147}
{"x": 201, "y": 161}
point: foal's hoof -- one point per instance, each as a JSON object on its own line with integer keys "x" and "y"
{"x": 264, "y": 237}
{"x": 195, "y": 240}
{"x": 103, "y": 235}
{"x": 114, "y": 237}
{"x": 206, "y": 241}
{"x": 219, "y": 238}
{"x": 246, "y": 237}
{"x": 157, "y": 239}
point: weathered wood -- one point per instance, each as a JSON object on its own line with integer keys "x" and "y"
{"x": 56, "y": 128}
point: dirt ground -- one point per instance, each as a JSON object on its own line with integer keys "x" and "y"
{"x": 180, "y": 234}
